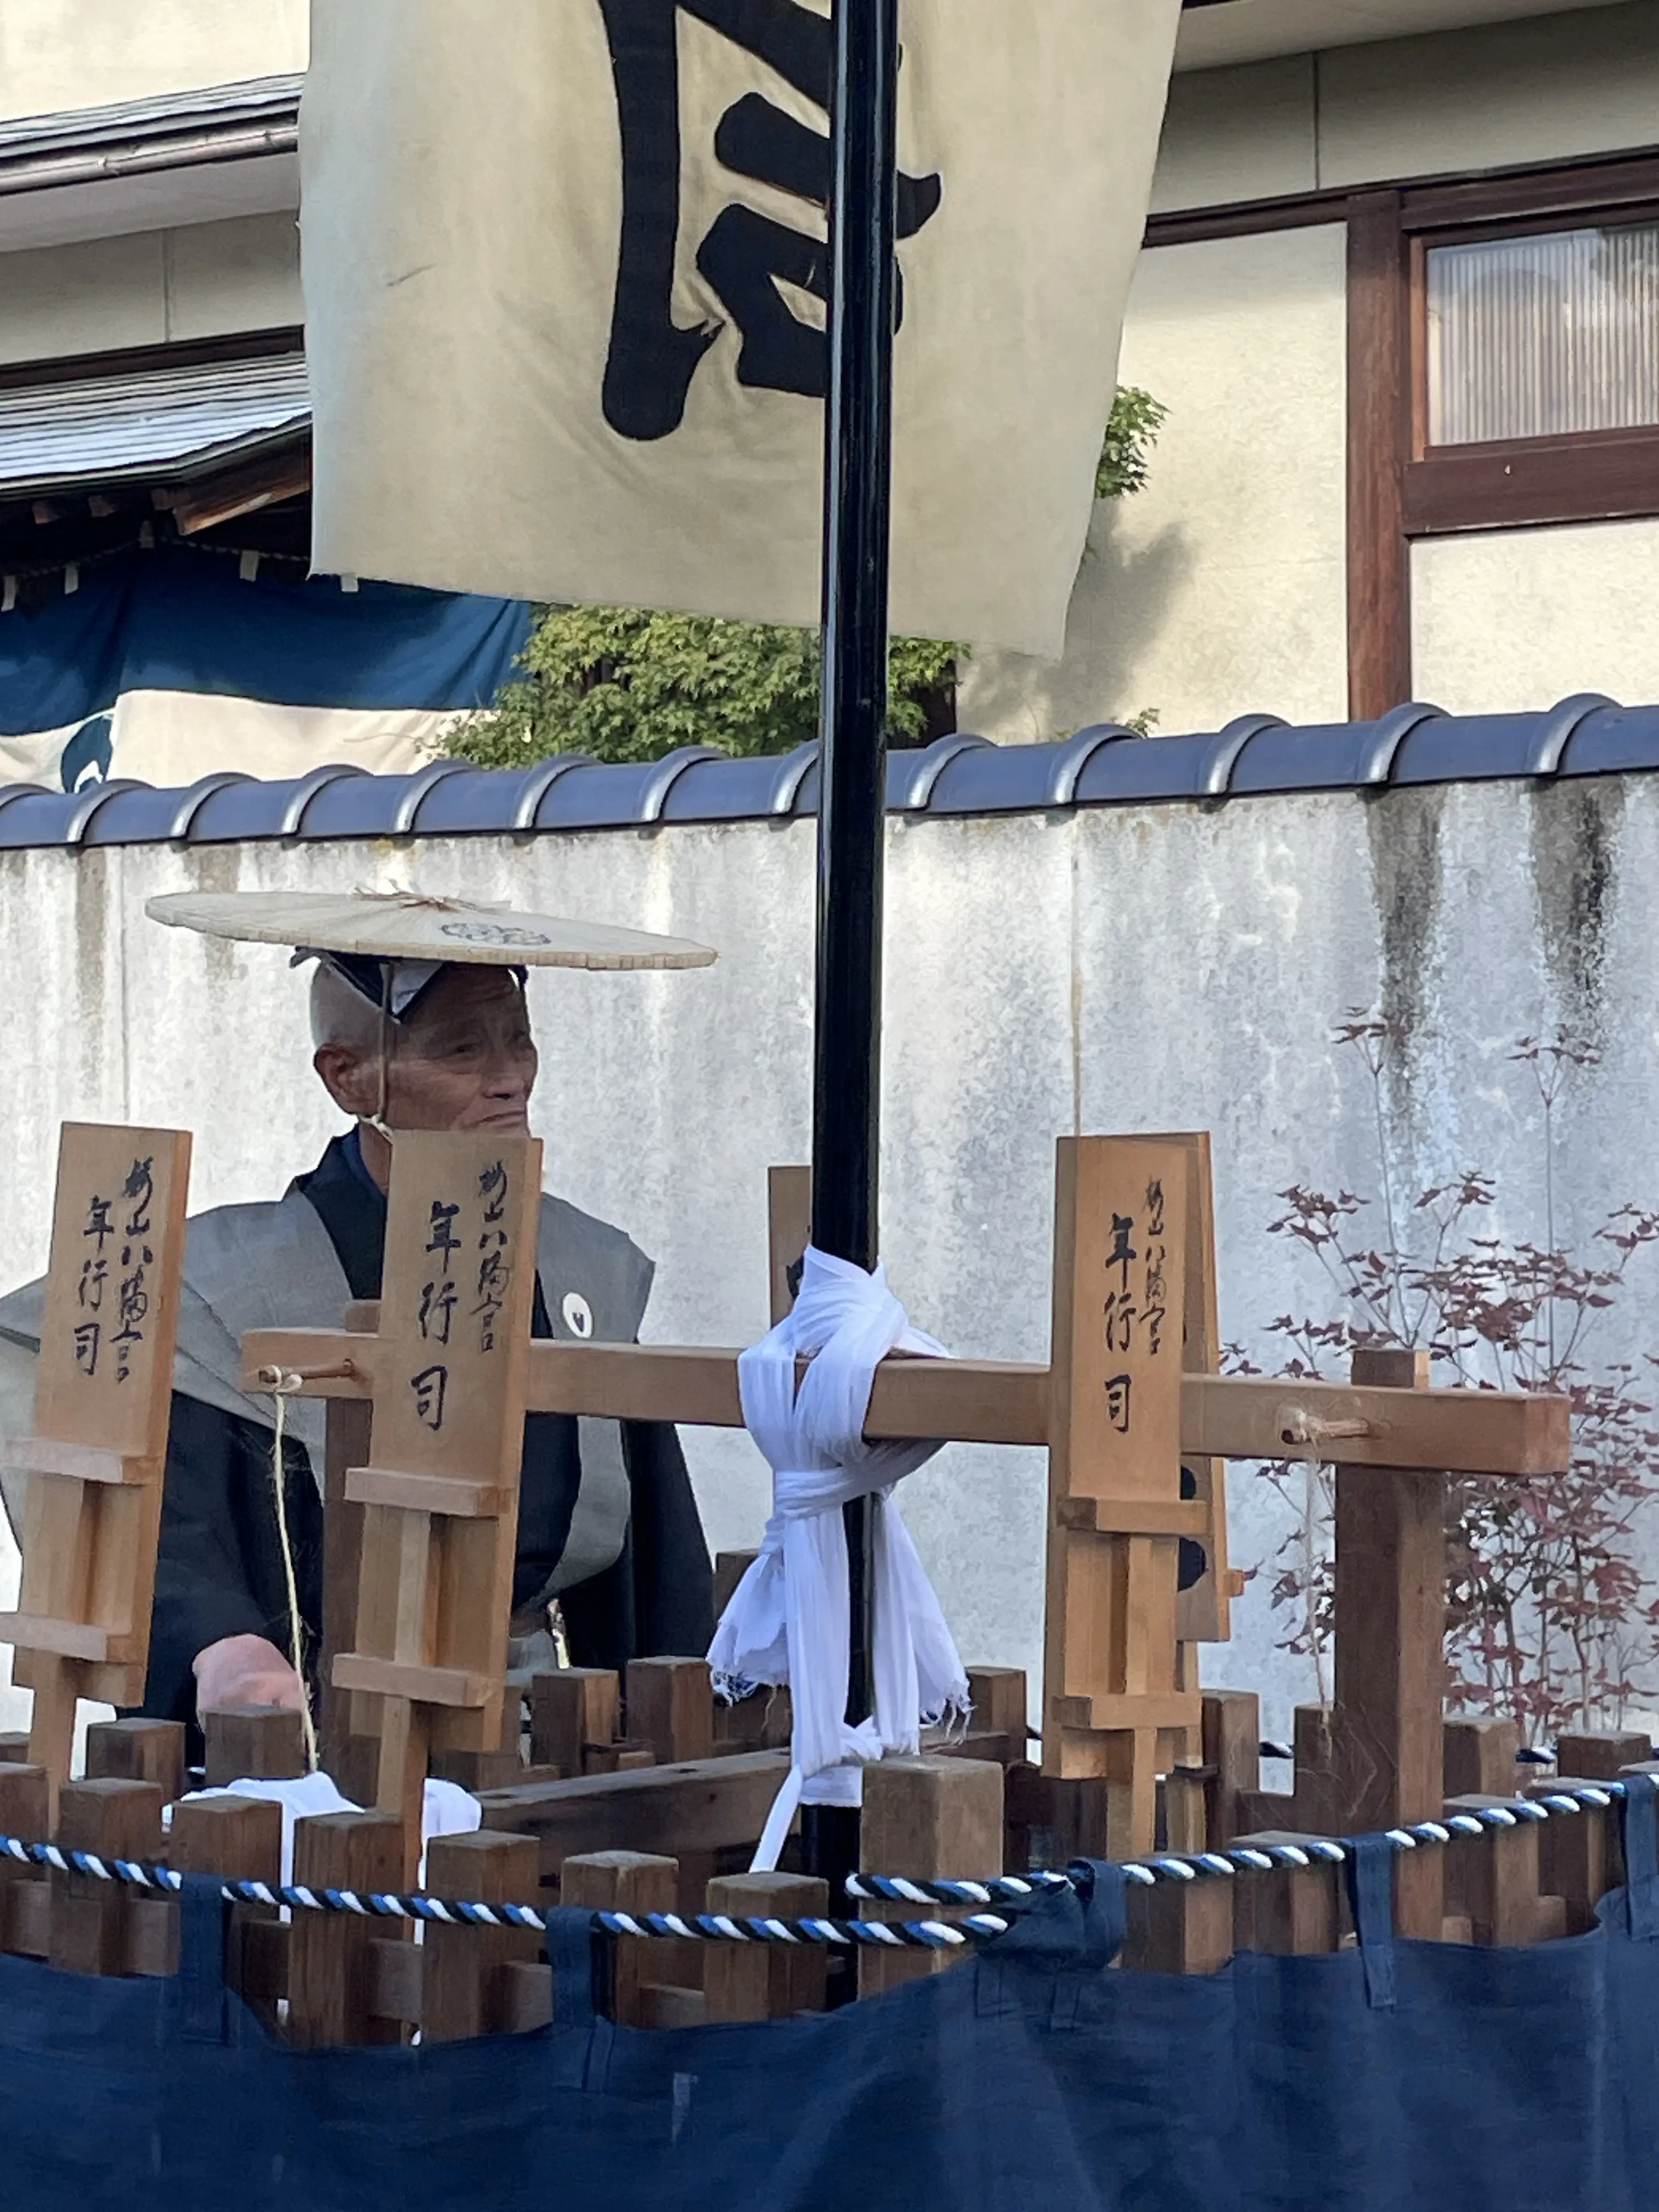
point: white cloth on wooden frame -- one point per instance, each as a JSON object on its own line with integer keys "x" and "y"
{"x": 789, "y": 1618}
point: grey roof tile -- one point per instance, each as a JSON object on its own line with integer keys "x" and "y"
{"x": 1103, "y": 766}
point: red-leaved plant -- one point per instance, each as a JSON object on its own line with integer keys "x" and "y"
{"x": 1550, "y": 1619}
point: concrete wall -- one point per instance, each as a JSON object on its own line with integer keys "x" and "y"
{"x": 150, "y": 287}
{"x": 1172, "y": 967}
{"x": 58, "y": 54}
{"x": 1542, "y": 90}
{"x": 1221, "y": 586}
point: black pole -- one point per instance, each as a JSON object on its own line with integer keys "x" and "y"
{"x": 853, "y": 728}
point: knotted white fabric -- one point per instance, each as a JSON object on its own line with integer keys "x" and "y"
{"x": 789, "y": 1618}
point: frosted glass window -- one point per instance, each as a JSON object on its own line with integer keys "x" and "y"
{"x": 1536, "y": 337}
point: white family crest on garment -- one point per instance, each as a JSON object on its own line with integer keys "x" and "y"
{"x": 571, "y": 253}
{"x": 789, "y": 1617}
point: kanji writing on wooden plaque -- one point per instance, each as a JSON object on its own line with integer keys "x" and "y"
{"x": 102, "y": 1394}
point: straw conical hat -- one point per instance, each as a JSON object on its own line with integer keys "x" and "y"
{"x": 399, "y": 925}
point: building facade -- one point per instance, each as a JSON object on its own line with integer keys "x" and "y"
{"x": 1400, "y": 298}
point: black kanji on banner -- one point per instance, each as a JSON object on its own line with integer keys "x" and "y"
{"x": 746, "y": 256}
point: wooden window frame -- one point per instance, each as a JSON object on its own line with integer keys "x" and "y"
{"x": 1400, "y": 487}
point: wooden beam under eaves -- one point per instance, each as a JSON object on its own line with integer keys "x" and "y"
{"x": 261, "y": 483}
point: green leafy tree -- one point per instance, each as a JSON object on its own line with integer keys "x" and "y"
{"x": 627, "y": 685}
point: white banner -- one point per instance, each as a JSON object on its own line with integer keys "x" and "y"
{"x": 564, "y": 276}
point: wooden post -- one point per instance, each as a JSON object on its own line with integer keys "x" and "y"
{"x": 240, "y": 1837}
{"x": 765, "y": 1981}
{"x": 1391, "y": 1662}
{"x": 1577, "y": 1853}
{"x": 1233, "y": 1754}
{"x": 1113, "y": 1710}
{"x": 465, "y": 1987}
{"x": 671, "y": 1707}
{"x": 932, "y": 1820}
{"x": 1181, "y": 1926}
{"x": 331, "y": 1974}
{"x": 252, "y": 1743}
{"x": 440, "y": 1523}
{"x": 569, "y": 1710}
{"x": 26, "y": 1814}
{"x": 1601, "y": 1757}
{"x": 1479, "y": 1757}
{"x": 92, "y": 1921}
{"x": 348, "y": 1727}
{"x": 1294, "y": 1910}
{"x": 627, "y": 1881}
{"x": 1496, "y": 1877}
{"x": 138, "y": 1750}
{"x": 103, "y": 1384}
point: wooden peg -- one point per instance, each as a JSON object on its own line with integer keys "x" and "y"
{"x": 1601, "y": 1757}
{"x": 1293, "y": 1911}
{"x": 671, "y": 1706}
{"x": 1578, "y": 1852}
{"x": 253, "y": 1743}
{"x": 26, "y": 1814}
{"x": 765, "y": 1981}
{"x": 625, "y": 1881}
{"x": 241, "y": 1838}
{"x": 1181, "y": 1926}
{"x": 465, "y": 1987}
{"x": 999, "y": 1725}
{"x": 92, "y": 1921}
{"x": 1479, "y": 1756}
{"x": 575, "y": 1707}
{"x": 138, "y": 1750}
{"x": 1182, "y": 1791}
{"x": 331, "y": 1990}
{"x": 1389, "y": 1663}
{"x": 1231, "y": 1735}
{"x": 931, "y": 1818}
{"x": 1496, "y": 1878}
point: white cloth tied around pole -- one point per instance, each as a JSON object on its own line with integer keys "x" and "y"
{"x": 789, "y": 1618}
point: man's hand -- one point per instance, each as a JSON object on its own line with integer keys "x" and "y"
{"x": 244, "y": 1670}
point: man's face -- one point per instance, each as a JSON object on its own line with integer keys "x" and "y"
{"x": 464, "y": 1059}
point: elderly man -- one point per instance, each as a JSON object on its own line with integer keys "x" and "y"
{"x": 608, "y": 1526}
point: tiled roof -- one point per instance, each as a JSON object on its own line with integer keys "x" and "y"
{"x": 91, "y": 144}
{"x": 1101, "y": 766}
{"x": 108, "y": 429}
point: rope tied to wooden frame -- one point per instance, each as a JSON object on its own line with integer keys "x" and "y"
{"x": 976, "y": 1895}
{"x": 281, "y": 1384}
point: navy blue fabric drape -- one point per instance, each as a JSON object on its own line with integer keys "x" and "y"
{"x": 1034, "y": 2079}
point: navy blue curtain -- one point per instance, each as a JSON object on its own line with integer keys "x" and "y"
{"x": 174, "y": 619}
{"x": 1033, "y": 2079}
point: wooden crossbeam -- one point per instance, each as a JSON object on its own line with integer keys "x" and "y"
{"x": 1008, "y": 1402}
{"x": 93, "y": 1465}
{"x": 1126, "y": 1406}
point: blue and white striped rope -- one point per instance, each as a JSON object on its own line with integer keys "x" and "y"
{"x": 1263, "y": 1858}
{"x": 701, "y": 1927}
{"x": 923, "y": 1934}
